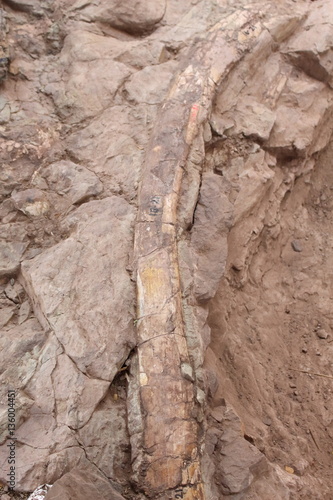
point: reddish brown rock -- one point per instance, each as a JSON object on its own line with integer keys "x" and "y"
{"x": 83, "y": 483}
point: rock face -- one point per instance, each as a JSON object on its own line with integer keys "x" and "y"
{"x": 165, "y": 248}
{"x": 82, "y": 483}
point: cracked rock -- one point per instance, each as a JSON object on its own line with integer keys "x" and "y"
{"x": 72, "y": 180}
{"x": 80, "y": 287}
{"x": 10, "y": 257}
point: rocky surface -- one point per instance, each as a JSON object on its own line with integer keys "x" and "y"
{"x": 165, "y": 248}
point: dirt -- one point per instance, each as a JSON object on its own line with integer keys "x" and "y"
{"x": 272, "y": 336}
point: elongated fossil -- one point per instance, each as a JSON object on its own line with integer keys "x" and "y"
{"x": 162, "y": 419}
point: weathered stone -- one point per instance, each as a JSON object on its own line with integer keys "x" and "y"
{"x": 6, "y": 313}
{"x": 83, "y": 483}
{"x": 311, "y": 48}
{"x": 249, "y": 117}
{"x": 54, "y": 37}
{"x": 18, "y": 342}
{"x": 143, "y": 54}
{"x": 22, "y": 407}
{"x": 48, "y": 447}
{"x": 117, "y": 162}
{"x": 238, "y": 463}
{"x": 24, "y": 312}
{"x": 321, "y": 334}
{"x": 10, "y": 257}
{"x": 304, "y": 93}
{"x": 14, "y": 291}
{"x": 209, "y": 236}
{"x": 74, "y": 181}
{"x": 83, "y": 93}
{"x": 296, "y": 245}
{"x": 235, "y": 474}
{"x": 105, "y": 439}
{"x": 80, "y": 287}
{"x": 4, "y": 112}
{"x": 136, "y": 16}
{"x": 31, "y": 202}
{"x": 255, "y": 181}
{"x": 187, "y": 371}
{"x": 150, "y": 85}
{"x": 75, "y": 409}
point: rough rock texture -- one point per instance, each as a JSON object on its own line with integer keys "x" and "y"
{"x": 136, "y": 16}
{"x": 82, "y": 483}
{"x": 165, "y": 248}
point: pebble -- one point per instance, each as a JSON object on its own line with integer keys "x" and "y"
{"x": 267, "y": 421}
{"x": 321, "y": 334}
{"x": 288, "y": 469}
{"x": 296, "y": 246}
{"x": 304, "y": 349}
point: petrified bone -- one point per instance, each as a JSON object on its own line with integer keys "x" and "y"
{"x": 164, "y": 431}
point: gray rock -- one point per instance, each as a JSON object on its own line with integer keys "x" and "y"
{"x": 187, "y": 371}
